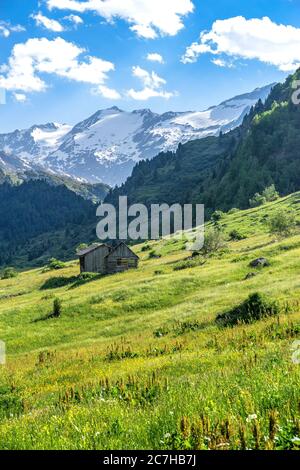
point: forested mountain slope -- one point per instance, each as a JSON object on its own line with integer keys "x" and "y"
{"x": 38, "y": 221}
{"x": 226, "y": 171}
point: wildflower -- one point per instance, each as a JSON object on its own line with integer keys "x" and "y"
{"x": 167, "y": 435}
{"x": 251, "y": 418}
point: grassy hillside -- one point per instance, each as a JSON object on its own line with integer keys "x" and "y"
{"x": 137, "y": 360}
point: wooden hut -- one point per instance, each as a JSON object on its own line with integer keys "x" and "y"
{"x": 106, "y": 259}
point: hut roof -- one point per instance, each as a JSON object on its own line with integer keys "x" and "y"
{"x": 116, "y": 247}
{"x": 91, "y": 248}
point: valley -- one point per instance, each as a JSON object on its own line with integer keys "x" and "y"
{"x": 138, "y": 361}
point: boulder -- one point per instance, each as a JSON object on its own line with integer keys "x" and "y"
{"x": 259, "y": 263}
{"x": 250, "y": 276}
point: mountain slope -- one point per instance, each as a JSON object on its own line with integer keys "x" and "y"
{"x": 137, "y": 361}
{"x": 105, "y": 147}
{"x": 15, "y": 171}
{"x": 34, "y": 144}
{"x": 226, "y": 171}
{"x": 39, "y": 221}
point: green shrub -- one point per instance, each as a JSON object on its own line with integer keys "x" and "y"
{"x": 56, "y": 308}
{"x": 55, "y": 264}
{"x": 145, "y": 248}
{"x": 217, "y": 216}
{"x": 255, "y": 307}
{"x": 9, "y": 273}
{"x": 213, "y": 242}
{"x": 257, "y": 200}
{"x": 154, "y": 255}
{"x": 11, "y": 404}
{"x": 235, "y": 235}
{"x": 189, "y": 263}
{"x": 234, "y": 210}
{"x": 81, "y": 247}
{"x": 282, "y": 223}
{"x": 119, "y": 352}
{"x": 269, "y": 194}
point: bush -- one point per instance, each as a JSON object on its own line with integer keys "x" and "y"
{"x": 269, "y": 194}
{"x": 55, "y": 264}
{"x": 145, "y": 248}
{"x": 154, "y": 255}
{"x": 255, "y": 307}
{"x": 235, "y": 235}
{"x": 9, "y": 273}
{"x": 81, "y": 247}
{"x": 234, "y": 210}
{"x": 282, "y": 223}
{"x": 217, "y": 216}
{"x": 257, "y": 200}
{"x": 189, "y": 263}
{"x": 56, "y": 308}
{"x": 214, "y": 241}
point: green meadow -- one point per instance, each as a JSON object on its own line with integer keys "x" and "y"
{"x": 138, "y": 361}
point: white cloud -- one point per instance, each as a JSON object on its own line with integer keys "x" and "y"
{"x": 59, "y": 57}
{"x": 153, "y": 86}
{"x": 108, "y": 93}
{"x": 222, "y": 63}
{"x": 20, "y": 97}
{"x": 74, "y": 19}
{"x": 154, "y": 57}
{"x": 148, "y": 18}
{"x": 6, "y": 29}
{"x": 260, "y": 39}
{"x": 48, "y": 23}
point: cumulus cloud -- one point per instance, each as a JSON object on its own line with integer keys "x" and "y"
{"x": 75, "y": 19}
{"x": 154, "y": 57}
{"x": 48, "y": 23}
{"x": 57, "y": 57}
{"x": 148, "y": 18}
{"x": 20, "y": 97}
{"x": 223, "y": 63}
{"x": 260, "y": 39}
{"x": 107, "y": 92}
{"x": 6, "y": 29}
{"x": 153, "y": 86}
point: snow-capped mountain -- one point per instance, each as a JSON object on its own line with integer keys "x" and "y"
{"x": 34, "y": 144}
{"x": 106, "y": 146}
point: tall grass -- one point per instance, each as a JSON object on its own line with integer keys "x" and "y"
{"x": 138, "y": 361}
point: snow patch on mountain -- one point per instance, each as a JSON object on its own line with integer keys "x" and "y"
{"x": 106, "y": 146}
{"x": 48, "y": 139}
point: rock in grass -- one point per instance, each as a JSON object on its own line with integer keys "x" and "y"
{"x": 250, "y": 276}
{"x": 259, "y": 263}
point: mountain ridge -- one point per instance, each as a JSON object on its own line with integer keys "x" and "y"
{"x": 105, "y": 146}
{"x": 226, "y": 171}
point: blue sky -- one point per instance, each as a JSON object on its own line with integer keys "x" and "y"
{"x": 61, "y": 60}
